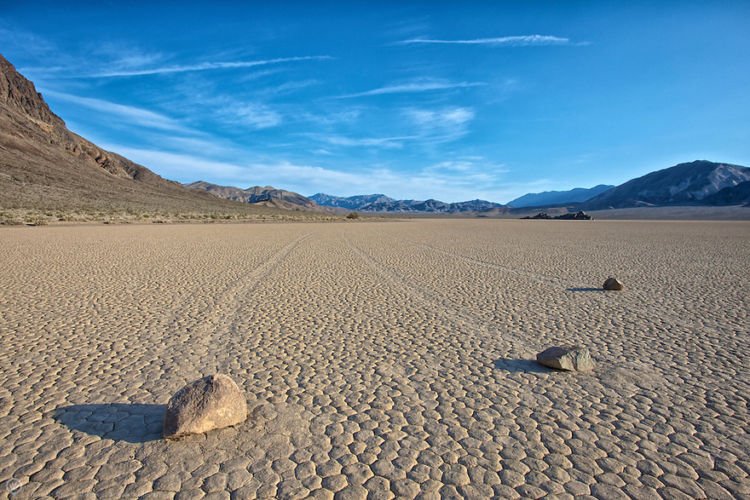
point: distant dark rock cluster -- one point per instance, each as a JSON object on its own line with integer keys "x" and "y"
{"x": 571, "y": 216}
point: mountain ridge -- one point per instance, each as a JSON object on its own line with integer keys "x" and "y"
{"x": 565, "y": 197}
{"x": 685, "y": 183}
{"x": 257, "y": 195}
{"x": 383, "y": 203}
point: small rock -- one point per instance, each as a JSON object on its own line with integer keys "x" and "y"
{"x": 613, "y": 284}
{"x": 213, "y": 402}
{"x": 566, "y": 358}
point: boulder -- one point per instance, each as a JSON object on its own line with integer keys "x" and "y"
{"x": 213, "y": 402}
{"x": 576, "y": 358}
{"x": 613, "y": 284}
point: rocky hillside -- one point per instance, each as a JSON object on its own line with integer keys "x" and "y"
{"x": 734, "y": 195}
{"x": 46, "y": 167}
{"x": 558, "y": 198}
{"x": 257, "y": 195}
{"x": 684, "y": 184}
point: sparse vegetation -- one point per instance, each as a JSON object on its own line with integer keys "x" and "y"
{"x": 37, "y": 217}
{"x": 352, "y": 215}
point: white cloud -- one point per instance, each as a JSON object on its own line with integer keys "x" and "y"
{"x": 414, "y": 87}
{"x": 459, "y": 179}
{"x": 187, "y": 168}
{"x": 396, "y": 142}
{"x": 328, "y": 118}
{"x": 440, "y": 125}
{"x": 132, "y": 114}
{"x": 446, "y": 116}
{"x": 254, "y": 115}
{"x": 503, "y": 41}
{"x": 206, "y": 66}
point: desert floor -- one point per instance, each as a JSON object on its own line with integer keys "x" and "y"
{"x": 378, "y": 359}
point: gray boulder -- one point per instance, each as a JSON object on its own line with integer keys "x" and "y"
{"x": 613, "y": 284}
{"x": 576, "y": 358}
{"x": 213, "y": 402}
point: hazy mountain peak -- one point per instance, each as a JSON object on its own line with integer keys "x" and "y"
{"x": 549, "y": 198}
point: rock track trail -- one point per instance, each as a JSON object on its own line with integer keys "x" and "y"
{"x": 379, "y": 360}
{"x": 434, "y": 299}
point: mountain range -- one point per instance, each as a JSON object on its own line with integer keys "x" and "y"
{"x": 382, "y": 203}
{"x": 257, "y": 195}
{"x": 699, "y": 182}
{"x": 45, "y": 166}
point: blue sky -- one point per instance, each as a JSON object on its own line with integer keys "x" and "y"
{"x": 415, "y": 100}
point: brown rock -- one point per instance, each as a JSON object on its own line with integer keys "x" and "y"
{"x": 613, "y": 284}
{"x": 213, "y": 402}
{"x": 566, "y": 358}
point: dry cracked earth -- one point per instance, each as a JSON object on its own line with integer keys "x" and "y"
{"x": 379, "y": 360}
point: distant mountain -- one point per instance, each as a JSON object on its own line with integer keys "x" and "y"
{"x": 351, "y": 202}
{"x": 683, "y": 184}
{"x": 267, "y": 196}
{"x": 558, "y": 198}
{"x": 733, "y": 195}
{"x": 44, "y": 166}
{"x": 382, "y": 203}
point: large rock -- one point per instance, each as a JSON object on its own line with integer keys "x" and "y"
{"x": 613, "y": 284}
{"x": 212, "y": 402}
{"x": 566, "y": 358}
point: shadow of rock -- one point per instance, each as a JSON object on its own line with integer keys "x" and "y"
{"x": 584, "y": 289}
{"x": 134, "y": 423}
{"x": 521, "y": 366}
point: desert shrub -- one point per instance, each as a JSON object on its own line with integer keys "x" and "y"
{"x": 352, "y": 215}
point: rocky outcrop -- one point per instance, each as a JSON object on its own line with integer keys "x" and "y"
{"x": 571, "y": 216}
{"x": 566, "y": 358}
{"x": 213, "y": 402}
{"x": 16, "y": 92}
{"x": 613, "y": 284}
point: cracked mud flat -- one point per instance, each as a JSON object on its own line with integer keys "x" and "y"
{"x": 380, "y": 359}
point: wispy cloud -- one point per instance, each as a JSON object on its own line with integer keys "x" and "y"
{"x": 378, "y": 142}
{"x": 502, "y": 41}
{"x": 457, "y": 179}
{"x": 327, "y": 118}
{"x": 254, "y": 115}
{"x": 445, "y": 116}
{"x": 205, "y": 66}
{"x": 186, "y": 168}
{"x": 138, "y": 116}
{"x": 440, "y": 125}
{"x": 414, "y": 87}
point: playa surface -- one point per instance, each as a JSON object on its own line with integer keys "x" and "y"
{"x": 386, "y": 359}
